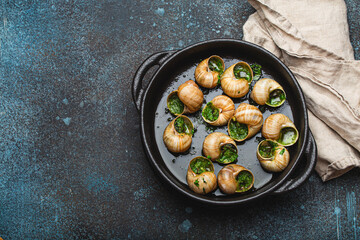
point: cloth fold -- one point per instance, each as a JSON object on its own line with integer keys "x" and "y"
{"x": 312, "y": 39}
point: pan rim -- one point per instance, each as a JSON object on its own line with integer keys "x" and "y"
{"x": 201, "y": 198}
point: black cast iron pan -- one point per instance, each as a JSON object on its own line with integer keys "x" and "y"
{"x": 176, "y": 67}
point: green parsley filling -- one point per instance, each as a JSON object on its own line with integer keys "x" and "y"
{"x": 228, "y": 154}
{"x": 242, "y": 72}
{"x": 267, "y": 149}
{"x": 215, "y": 64}
{"x": 244, "y": 180}
{"x": 210, "y": 112}
{"x": 288, "y": 136}
{"x": 238, "y": 130}
{"x": 183, "y": 126}
{"x": 175, "y": 105}
{"x": 276, "y": 98}
{"x": 200, "y": 165}
{"x": 256, "y": 68}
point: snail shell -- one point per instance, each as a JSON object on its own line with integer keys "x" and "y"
{"x": 225, "y": 108}
{"x": 248, "y": 115}
{"x": 190, "y": 96}
{"x": 236, "y": 86}
{"x": 268, "y": 91}
{"x": 228, "y": 176}
{"x": 203, "y": 182}
{"x": 207, "y": 72}
{"x": 281, "y": 129}
{"x": 272, "y": 156}
{"x": 178, "y": 141}
{"x": 215, "y": 144}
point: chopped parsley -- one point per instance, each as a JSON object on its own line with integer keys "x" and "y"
{"x": 196, "y": 182}
{"x": 210, "y": 112}
{"x": 181, "y": 126}
{"x": 256, "y": 68}
{"x": 242, "y": 72}
{"x": 215, "y": 64}
{"x": 244, "y": 180}
{"x": 238, "y": 130}
{"x": 267, "y": 149}
{"x": 282, "y": 151}
{"x": 276, "y": 98}
{"x": 228, "y": 154}
{"x": 175, "y": 105}
{"x": 200, "y": 165}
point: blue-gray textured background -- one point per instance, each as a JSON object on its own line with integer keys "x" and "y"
{"x": 71, "y": 159}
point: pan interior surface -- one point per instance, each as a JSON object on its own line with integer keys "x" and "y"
{"x": 181, "y": 67}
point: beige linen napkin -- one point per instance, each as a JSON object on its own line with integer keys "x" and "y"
{"x": 311, "y": 37}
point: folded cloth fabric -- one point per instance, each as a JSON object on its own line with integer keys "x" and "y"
{"x": 311, "y": 37}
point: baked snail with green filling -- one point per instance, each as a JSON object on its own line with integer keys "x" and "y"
{"x": 208, "y": 72}
{"x": 188, "y": 98}
{"x": 246, "y": 122}
{"x": 218, "y": 111}
{"x": 178, "y": 134}
{"x": 281, "y": 129}
{"x": 234, "y": 178}
{"x": 272, "y": 156}
{"x": 268, "y": 91}
{"x": 236, "y": 79}
{"x": 220, "y": 147}
{"x": 200, "y": 175}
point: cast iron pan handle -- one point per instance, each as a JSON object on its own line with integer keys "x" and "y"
{"x": 153, "y": 60}
{"x": 310, "y": 158}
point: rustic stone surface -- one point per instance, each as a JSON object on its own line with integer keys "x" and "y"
{"x": 71, "y": 159}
